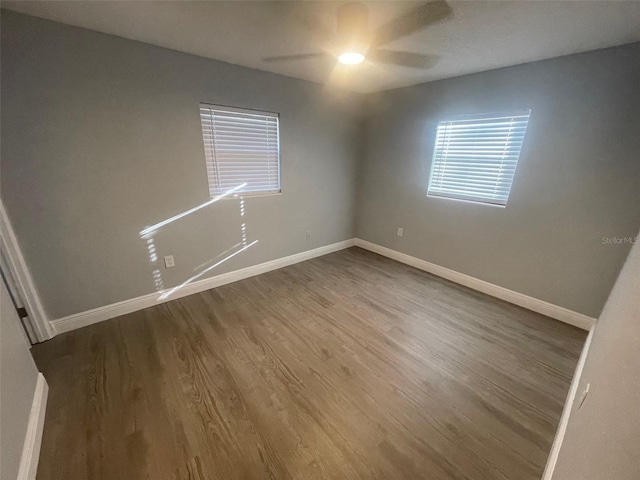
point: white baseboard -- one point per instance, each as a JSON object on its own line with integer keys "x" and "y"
{"x": 35, "y": 427}
{"x": 559, "y": 313}
{"x": 552, "y": 459}
{"x": 113, "y": 310}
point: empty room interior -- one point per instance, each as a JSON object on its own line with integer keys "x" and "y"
{"x": 320, "y": 240}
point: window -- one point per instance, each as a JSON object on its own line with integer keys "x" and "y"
{"x": 242, "y": 150}
{"x": 475, "y": 157}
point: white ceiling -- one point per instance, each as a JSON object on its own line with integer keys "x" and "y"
{"x": 482, "y": 35}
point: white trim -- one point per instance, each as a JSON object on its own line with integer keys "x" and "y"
{"x": 566, "y": 412}
{"x": 20, "y": 273}
{"x": 100, "y": 314}
{"x": 35, "y": 427}
{"x": 89, "y": 317}
{"x": 559, "y": 313}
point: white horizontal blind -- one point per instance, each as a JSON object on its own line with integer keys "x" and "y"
{"x": 475, "y": 157}
{"x": 241, "y": 147}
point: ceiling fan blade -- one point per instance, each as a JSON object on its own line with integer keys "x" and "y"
{"x": 300, "y": 56}
{"x": 402, "y": 59}
{"x": 412, "y": 21}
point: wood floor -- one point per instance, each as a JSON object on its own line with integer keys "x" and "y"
{"x": 348, "y": 366}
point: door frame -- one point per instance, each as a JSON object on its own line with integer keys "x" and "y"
{"x": 16, "y": 299}
{"x": 24, "y": 284}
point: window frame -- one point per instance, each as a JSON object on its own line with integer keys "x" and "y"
{"x": 482, "y": 117}
{"x": 249, "y": 111}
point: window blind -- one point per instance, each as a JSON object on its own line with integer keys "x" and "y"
{"x": 475, "y": 157}
{"x": 241, "y": 147}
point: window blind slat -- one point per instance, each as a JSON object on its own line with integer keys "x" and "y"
{"x": 256, "y": 156}
{"x": 474, "y": 191}
{"x": 487, "y": 165}
{"x": 466, "y": 134}
{"x": 486, "y": 181}
{"x": 474, "y": 188}
{"x": 235, "y": 129}
{"x": 475, "y": 157}
{"x": 241, "y": 147}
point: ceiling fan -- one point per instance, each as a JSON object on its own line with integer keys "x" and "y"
{"x": 355, "y": 42}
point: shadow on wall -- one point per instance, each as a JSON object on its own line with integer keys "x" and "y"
{"x": 149, "y": 236}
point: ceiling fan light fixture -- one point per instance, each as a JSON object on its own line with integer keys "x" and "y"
{"x": 351, "y": 58}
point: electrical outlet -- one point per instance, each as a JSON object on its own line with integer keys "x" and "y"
{"x": 307, "y": 234}
{"x": 169, "y": 261}
{"x": 400, "y": 231}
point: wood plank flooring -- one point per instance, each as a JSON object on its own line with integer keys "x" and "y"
{"x": 348, "y": 366}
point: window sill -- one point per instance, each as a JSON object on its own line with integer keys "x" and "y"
{"x": 477, "y": 202}
{"x": 235, "y": 196}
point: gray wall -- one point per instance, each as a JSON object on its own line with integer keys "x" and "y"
{"x": 18, "y": 376}
{"x": 578, "y": 179}
{"x": 602, "y": 439}
{"x": 101, "y": 137}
